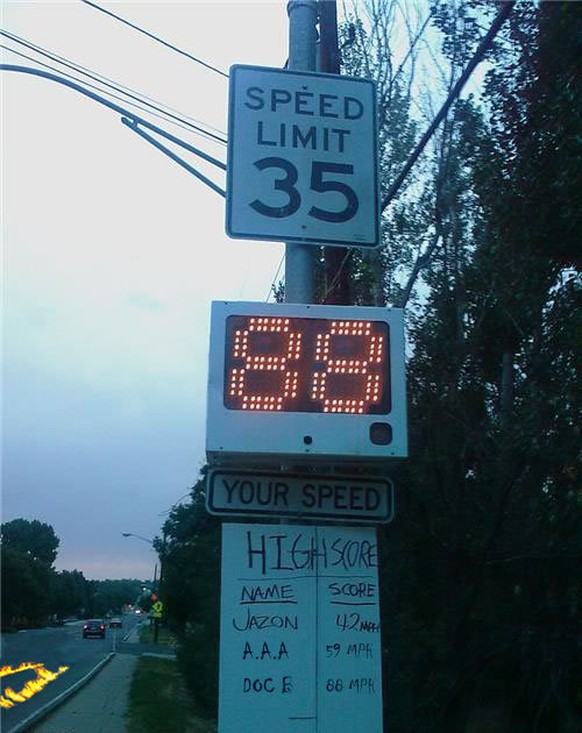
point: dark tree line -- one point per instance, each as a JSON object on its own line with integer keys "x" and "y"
{"x": 480, "y": 570}
{"x": 35, "y": 594}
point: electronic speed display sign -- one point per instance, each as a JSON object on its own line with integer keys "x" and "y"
{"x": 311, "y": 383}
{"x": 302, "y": 158}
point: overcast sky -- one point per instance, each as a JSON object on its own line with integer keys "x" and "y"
{"x": 111, "y": 255}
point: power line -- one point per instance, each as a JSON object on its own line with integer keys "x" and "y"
{"x": 155, "y": 38}
{"x": 275, "y": 276}
{"x": 338, "y": 274}
{"x": 85, "y": 85}
{"x": 133, "y": 121}
{"x": 415, "y": 40}
{"x": 133, "y": 125}
{"x": 453, "y": 94}
{"x": 104, "y": 81}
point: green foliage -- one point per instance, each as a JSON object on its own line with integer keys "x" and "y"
{"x": 33, "y": 538}
{"x": 192, "y": 594}
{"x": 159, "y": 701}
{"x": 539, "y": 126}
{"x": 29, "y": 549}
{"x": 25, "y": 597}
{"x": 483, "y": 593}
{"x": 70, "y": 593}
{"x": 198, "y": 661}
{"x": 110, "y": 596}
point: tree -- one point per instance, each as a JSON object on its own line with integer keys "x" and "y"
{"x": 31, "y": 537}
{"x": 110, "y": 596}
{"x": 483, "y": 561}
{"x": 69, "y": 593}
{"x": 539, "y": 125}
{"x": 29, "y": 549}
{"x": 191, "y": 592}
{"x": 25, "y": 590}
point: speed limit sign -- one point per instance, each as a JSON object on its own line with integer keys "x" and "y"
{"x": 302, "y": 158}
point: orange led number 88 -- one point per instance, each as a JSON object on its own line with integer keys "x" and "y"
{"x": 293, "y": 364}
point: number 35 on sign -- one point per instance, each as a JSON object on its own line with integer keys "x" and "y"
{"x": 302, "y": 158}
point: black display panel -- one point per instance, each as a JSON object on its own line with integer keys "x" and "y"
{"x": 316, "y": 365}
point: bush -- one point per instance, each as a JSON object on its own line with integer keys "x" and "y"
{"x": 198, "y": 663}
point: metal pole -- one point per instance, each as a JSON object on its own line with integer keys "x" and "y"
{"x": 160, "y": 587}
{"x": 162, "y": 565}
{"x": 337, "y": 265}
{"x": 302, "y": 57}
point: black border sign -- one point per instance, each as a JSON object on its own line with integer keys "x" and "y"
{"x": 300, "y": 495}
{"x": 267, "y": 406}
{"x": 302, "y": 158}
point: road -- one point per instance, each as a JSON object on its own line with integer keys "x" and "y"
{"x": 54, "y": 649}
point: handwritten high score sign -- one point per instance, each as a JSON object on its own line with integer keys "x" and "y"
{"x": 302, "y": 158}
{"x": 300, "y": 646}
{"x": 316, "y": 382}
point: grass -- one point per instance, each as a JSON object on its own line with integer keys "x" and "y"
{"x": 146, "y": 635}
{"x": 159, "y": 701}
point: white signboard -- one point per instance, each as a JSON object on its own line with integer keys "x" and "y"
{"x": 305, "y": 383}
{"x": 259, "y": 493}
{"x": 300, "y": 643}
{"x": 302, "y": 158}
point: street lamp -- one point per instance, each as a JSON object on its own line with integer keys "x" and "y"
{"x": 157, "y": 585}
{"x": 175, "y": 504}
{"x": 139, "y": 537}
{"x": 151, "y": 544}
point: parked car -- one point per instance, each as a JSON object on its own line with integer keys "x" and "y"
{"x": 94, "y": 627}
{"x": 115, "y": 623}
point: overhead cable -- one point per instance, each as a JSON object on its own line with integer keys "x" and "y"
{"x": 131, "y": 117}
{"x": 338, "y": 273}
{"x": 106, "y": 82}
{"x": 415, "y": 40}
{"x": 155, "y": 38}
{"x": 133, "y": 125}
{"x": 453, "y": 94}
{"x": 87, "y": 85}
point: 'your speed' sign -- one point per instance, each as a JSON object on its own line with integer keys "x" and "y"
{"x": 302, "y": 158}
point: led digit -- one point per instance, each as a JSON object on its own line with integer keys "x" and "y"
{"x": 280, "y": 347}
{"x": 365, "y": 349}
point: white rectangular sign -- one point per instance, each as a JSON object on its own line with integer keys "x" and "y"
{"x": 258, "y": 493}
{"x": 300, "y": 644}
{"x": 308, "y": 383}
{"x": 302, "y": 158}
